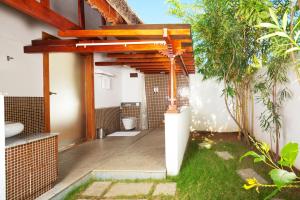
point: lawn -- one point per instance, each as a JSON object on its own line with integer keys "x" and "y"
{"x": 205, "y": 176}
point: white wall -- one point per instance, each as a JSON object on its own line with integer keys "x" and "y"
{"x": 207, "y": 106}
{"x": 2, "y": 149}
{"x": 22, "y": 76}
{"x": 107, "y": 97}
{"x": 132, "y": 88}
{"x": 290, "y": 113}
{"x": 123, "y": 88}
{"x": 177, "y": 131}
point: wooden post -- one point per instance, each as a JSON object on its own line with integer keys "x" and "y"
{"x": 46, "y": 85}
{"x": 172, "y": 107}
{"x": 89, "y": 97}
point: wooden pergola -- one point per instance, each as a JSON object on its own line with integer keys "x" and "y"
{"x": 154, "y": 48}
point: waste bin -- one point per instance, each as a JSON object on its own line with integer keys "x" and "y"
{"x": 100, "y": 133}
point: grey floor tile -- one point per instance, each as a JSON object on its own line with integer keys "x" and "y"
{"x": 129, "y": 189}
{"x": 96, "y": 189}
{"x": 168, "y": 189}
{"x": 250, "y": 173}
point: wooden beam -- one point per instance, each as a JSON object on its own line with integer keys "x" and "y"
{"x": 180, "y": 62}
{"x": 89, "y": 97}
{"x": 171, "y": 51}
{"x": 91, "y": 49}
{"x": 144, "y": 55}
{"x": 42, "y": 13}
{"x": 124, "y": 33}
{"x": 81, "y": 15}
{"x": 112, "y": 63}
{"x": 55, "y": 42}
{"x": 109, "y": 13}
{"x": 147, "y": 26}
{"x": 89, "y": 41}
{"x": 45, "y": 3}
{"x": 137, "y": 55}
{"x": 127, "y": 63}
{"x": 152, "y": 60}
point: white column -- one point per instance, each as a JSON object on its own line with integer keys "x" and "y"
{"x": 177, "y": 132}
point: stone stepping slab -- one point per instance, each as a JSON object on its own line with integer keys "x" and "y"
{"x": 97, "y": 189}
{"x": 250, "y": 173}
{"x": 129, "y": 189}
{"x": 167, "y": 189}
{"x": 225, "y": 155}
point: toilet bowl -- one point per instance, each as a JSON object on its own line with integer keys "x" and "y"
{"x": 129, "y": 123}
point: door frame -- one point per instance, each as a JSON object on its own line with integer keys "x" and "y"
{"x": 89, "y": 93}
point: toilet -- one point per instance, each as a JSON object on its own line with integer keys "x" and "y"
{"x": 129, "y": 123}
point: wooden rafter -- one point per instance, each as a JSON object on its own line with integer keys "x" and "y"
{"x": 139, "y": 52}
{"x": 91, "y": 49}
{"x": 157, "y": 60}
{"x": 124, "y": 33}
{"x": 112, "y": 63}
{"x": 141, "y": 60}
{"x": 180, "y": 61}
{"x": 45, "y": 3}
{"x": 147, "y": 26}
{"x": 41, "y": 12}
{"x": 144, "y": 55}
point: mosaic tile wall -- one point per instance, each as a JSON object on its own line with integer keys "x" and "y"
{"x": 27, "y": 110}
{"x": 157, "y": 103}
{"x": 31, "y": 169}
{"x": 183, "y": 89}
{"x": 108, "y": 119}
{"x": 130, "y": 110}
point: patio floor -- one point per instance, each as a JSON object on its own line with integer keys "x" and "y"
{"x": 138, "y": 154}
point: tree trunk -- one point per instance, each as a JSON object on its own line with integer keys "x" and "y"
{"x": 274, "y": 97}
{"x": 236, "y": 121}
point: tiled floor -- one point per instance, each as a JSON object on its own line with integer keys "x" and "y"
{"x": 144, "y": 152}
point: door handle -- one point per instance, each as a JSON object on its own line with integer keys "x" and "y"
{"x": 52, "y": 93}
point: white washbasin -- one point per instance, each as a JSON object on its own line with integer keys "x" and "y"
{"x": 13, "y": 128}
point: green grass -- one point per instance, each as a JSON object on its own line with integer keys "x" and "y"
{"x": 205, "y": 176}
{"x": 73, "y": 195}
{"x": 208, "y": 177}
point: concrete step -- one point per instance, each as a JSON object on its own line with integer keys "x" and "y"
{"x": 129, "y": 174}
